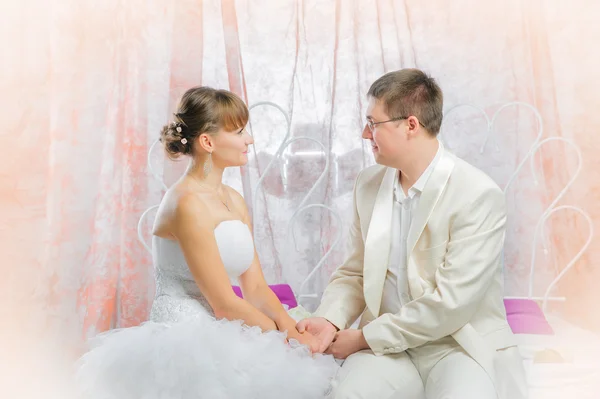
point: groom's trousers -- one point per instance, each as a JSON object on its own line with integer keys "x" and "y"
{"x": 438, "y": 370}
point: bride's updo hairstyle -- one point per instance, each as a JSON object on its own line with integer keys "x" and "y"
{"x": 202, "y": 110}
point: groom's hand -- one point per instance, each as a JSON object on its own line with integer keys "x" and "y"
{"x": 309, "y": 340}
{"x": 322, "y": 329}
{"x": 347, "y": 342}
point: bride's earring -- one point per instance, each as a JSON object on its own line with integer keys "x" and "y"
{"x": 208, "y": 164}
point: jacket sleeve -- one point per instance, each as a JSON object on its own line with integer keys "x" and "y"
{"x": 343, "y": 300}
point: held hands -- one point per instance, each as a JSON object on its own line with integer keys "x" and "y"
{"x": 304, "y": 338}
{"x": 321, "y": 329}
{"x": 347, "y": 342}
{"x": 307, "y": 339}
{"x": 340, "y": 344}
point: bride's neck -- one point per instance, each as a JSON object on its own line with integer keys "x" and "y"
{"x": 213, "y": 180}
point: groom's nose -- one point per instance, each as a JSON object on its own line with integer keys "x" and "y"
{"x": 366, "y": 133}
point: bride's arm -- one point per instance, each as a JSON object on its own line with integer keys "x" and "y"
{"x": 258, "y": 293}
{"x": 195, "y": 233}
{"x": 256, "y": 290}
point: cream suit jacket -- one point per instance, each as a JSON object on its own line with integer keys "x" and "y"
{"x": 454, "y": 268}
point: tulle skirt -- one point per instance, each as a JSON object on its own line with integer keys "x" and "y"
{"x": 201, "y": 358}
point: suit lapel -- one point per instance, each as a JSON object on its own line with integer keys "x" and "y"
{"x": 377, "y": 243}
{"x": 431, "y": 193}
{"x": 429, "y": 197}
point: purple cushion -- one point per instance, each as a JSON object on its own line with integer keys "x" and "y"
{"x": 282, "y": 291}
{"x": 526, "y": 317}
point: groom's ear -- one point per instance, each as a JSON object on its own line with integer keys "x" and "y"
{"x": 412, "y": 123}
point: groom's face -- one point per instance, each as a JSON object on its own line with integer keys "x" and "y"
{"x": 387, "y": 139}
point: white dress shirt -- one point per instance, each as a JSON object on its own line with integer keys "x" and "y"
{"x": 395, "y": 290}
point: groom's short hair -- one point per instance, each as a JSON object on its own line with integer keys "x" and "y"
{"x": 409, "y": 92}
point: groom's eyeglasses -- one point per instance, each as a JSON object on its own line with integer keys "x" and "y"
{"x": 372, "y": 124}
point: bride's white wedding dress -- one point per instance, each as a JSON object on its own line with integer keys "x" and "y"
{"x": 184, "y": 352}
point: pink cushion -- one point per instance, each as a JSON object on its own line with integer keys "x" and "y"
{"x": 282, "y": 291}
{"x": 526, "y": 317}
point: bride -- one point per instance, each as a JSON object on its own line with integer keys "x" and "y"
{"x": 203, "y": 341}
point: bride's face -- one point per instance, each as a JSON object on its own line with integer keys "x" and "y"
{"x": 231, "y": 147}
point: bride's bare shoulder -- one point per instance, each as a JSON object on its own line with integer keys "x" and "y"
{"x": 237, "y": 199}
{"x": 178, "y": 207}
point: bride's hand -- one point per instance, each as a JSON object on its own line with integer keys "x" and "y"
{"x": 307, "y": 339}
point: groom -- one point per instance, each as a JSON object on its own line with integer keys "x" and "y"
{"x": 424, "y": 272}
